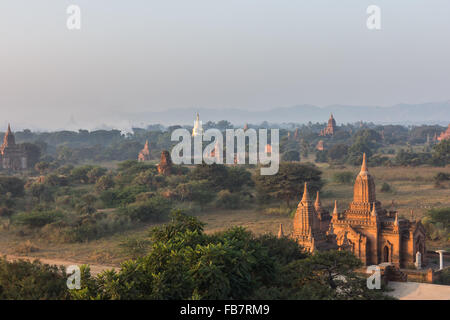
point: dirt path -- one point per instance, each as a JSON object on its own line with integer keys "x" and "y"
{"x": 95, "y": 268}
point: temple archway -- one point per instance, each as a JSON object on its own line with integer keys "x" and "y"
{"x": 386, "y": 254}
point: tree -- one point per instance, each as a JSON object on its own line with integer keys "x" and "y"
{"x": 201, "y": 193}
{"x": 104, "y": 183}
{"x": 185, "y": 263}
{"x": 327, "y": 275}
{"x": 215, "y": 174}
{"x": 338, "y": 152}
{"x": 289, "y": 182}
{"x": 291, "y": 155}
{"x": 42, "y": 167}
{"x": 24, "y": 280}
{"x": 441, "y": 153}
{"x": 12, "y": 185}
{"x": 33, "y": 153}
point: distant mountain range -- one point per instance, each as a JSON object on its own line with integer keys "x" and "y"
{"x": 427, "y": 113}
{"x": 404, "y": 114}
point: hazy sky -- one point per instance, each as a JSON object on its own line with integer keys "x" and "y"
{"x": 138, "y": 55}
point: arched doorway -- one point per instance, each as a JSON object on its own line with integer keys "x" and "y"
{"x": 386, "y": 254}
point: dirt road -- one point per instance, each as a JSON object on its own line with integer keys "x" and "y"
{"x": 95, "y": 268}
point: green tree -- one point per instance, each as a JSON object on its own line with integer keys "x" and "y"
{"x": 441, "y": 153}
{"x": 291, "y": 155}
{"x": 289, "y": 182}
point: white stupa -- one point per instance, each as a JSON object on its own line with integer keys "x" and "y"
{"x": 197, "y": 130}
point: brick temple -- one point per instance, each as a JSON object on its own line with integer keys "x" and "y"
{"x": 330, "y": 129}
{"x": 12, "y": 157}
{"x": 374, "y": 234}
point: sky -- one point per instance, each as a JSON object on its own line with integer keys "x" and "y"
{"x": 146, "y": 55}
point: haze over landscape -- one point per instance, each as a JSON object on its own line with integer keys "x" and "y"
{"x": 144, "y": 62}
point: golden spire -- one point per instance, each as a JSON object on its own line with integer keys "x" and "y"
{"x": 396, "y": 220}
{"x": 335, "y": 211}
{"x": 374, "y": 211}
{"x": 364, "y": 163}
{"x": 305, "y": 197}
{"x": 280, "y": 231}
{"x": 317, "y": 203}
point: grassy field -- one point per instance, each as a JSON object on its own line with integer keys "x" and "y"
{"x": 412, "y": 189}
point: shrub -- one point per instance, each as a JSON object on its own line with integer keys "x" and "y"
{"x": 442, "y": 176}
{"x": 37, "y": 219}
{"x": 13, "y": 185}
{"x": 228, "y": 200}
{"x": 135, "y": 247}
{"x": 291, "y": 155}
{"x": 280, "y": 211}
{"x": 23, "y": 280}
{"x": 90, "y": 227}
{"x": 154, "y": 209}
{"x": 386, "y": 187}
{"x": 345, "y": 177}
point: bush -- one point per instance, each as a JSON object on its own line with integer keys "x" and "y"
{"x": 291, "y": 155}
{"x": 37, "y": 219}
{"x": 442, "y": 176}
{"x": 23, "y": 280}
{"x": 135, "y": 247}
{"x": 280, "y": 211}
{"x": 13, "y": 185}
{"x": 155, "y": 209}
{"x": 91, "y": 227}
{"x": 386, "y": 187}
{"x": 345, "y": 177}
{"x": 228, "y": 200}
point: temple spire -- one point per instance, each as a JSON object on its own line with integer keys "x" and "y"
{"x": 335, "y": 211}
{"x": 374, "y": 210}
{"x": 305, "y": 197}
{"x": 317, "y": 203}
{"x": 280, "y": 231}
{"x": 364, "y": 163}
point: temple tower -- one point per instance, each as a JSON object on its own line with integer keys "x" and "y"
{"x": 307, "y": 224}
{"x": 144, "y": 155}
{"x": 197, "y": 130}
{"x": 11, "y": 155}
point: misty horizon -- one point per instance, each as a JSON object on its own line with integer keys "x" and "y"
{"x": 130, "y": 62}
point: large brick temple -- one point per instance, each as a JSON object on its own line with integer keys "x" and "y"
{"x": 372, "y": 233}
{"x": 330, "y": 129}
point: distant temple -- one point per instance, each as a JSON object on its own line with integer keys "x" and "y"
{"x": 197, "y": 130}
{"x": 165, "y": 165}
{"x": 144, "y": 155}
{"x": 375, "y": 235}
{"x": 330, "y": 129}
{"x": 11, "y": 155}
{"x": 444, "y": 135}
